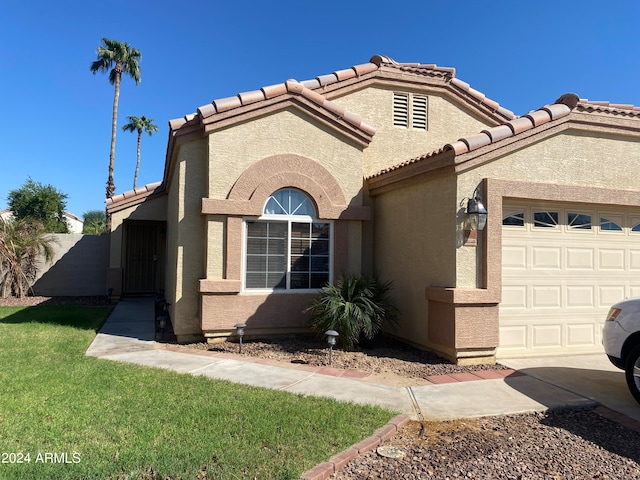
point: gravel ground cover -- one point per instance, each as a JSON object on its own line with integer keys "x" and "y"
{"x": 384, "y": 357}
{"x": 557, "y": 445}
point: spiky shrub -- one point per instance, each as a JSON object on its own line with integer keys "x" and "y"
{"x": 21, "y": 243}
{"x": 355, "y": 306}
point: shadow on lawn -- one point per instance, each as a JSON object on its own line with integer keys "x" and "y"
{"x": 79, "y": 315}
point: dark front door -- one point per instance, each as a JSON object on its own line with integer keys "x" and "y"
{"x": 144, "y": 257}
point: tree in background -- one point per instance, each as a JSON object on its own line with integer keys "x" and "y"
{"x": 21, "y": 242}
{"x": 139, "y": 125}
{"x": 116, "y": 58}
{"x": 35, "y": 202}
{"x": 95, "y": 222}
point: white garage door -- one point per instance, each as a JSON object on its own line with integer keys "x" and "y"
{"x": 562, "y": 267}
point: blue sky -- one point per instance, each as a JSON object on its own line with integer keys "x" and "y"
{"x": 55, "y": 115}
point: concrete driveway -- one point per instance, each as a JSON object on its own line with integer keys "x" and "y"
{"x": 590, "y": 376}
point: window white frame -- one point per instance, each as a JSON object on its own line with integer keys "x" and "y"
{"x": 289, "y": 257}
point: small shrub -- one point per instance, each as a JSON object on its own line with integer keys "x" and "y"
{"x": 355, "y": 306}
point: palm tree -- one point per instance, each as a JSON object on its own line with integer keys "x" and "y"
{"x": 116, "y": 58}
{"x": 138, "y": 125}
{"x": 22, "y": 242}
{"x": 356, "y": 306}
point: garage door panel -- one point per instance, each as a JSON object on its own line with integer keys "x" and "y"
{"x": 580, "y": 296}
{"x": 514, "y": 296}
{"x": 545, "y": 296}
{"x": 581, "y": 335}
{"x": 610, "y": 294}
{"x": 545, "y": 258}
{"x": 515, "y": 257}
{"x": 634, "y": 259}
{"x": 611, "y": 259}
{"x": 546, "y": 336}
{"x": 559, "y": 283}
{"x": 580, "y": 258}
{"x": 513, "y": 337}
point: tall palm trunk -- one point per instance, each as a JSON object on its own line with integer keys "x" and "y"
{"x": 135, "y": 175}
{"x": 111, "y": 188}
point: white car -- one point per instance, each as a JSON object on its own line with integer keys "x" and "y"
{"x": 621, "y": 340}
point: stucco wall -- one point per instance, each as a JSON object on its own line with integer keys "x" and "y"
{"x": 291, "y": 131}
{"x": 570, "y": 158}
{"x": 415, "y": 229}
{"x": 186, "y": 237}
{"x": 447, "y": 121}
{"x": 77, "y": 267}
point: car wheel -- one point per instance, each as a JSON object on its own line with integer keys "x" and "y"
{"x": 632, "y": 372}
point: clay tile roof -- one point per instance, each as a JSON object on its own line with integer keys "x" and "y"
{"x": 539, "y": 117}
{"x": 345, "y": 74}
{"x": 557, "y": 110}
{"x": 492, "y": 135}
{"x": 476, "y": 141}
{"x": 521, "y": 124}
{"x": 224, "y": 104}
{"x": 327, "y": 79}
{"x": 365, "y": 68}
{"x": 176, "y": 123}
{"x": 312, "y": 84}
{"x": 294, "y": 87}
{"x": 304, "y": 87}
{"x": 251, "y": 97}
{"x": 271, "y": 91}
{"x": 133, "y": 195}
{"x": 207, "y": 110}
{"x": 607, "y": 107}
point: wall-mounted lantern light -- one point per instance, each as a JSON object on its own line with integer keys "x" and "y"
{"x": 476, "y": 213}
{"x": 331, "y": 340}
{"x": 240, "y": 332}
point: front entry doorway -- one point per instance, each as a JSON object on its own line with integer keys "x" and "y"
{"x": 144, "y": 257}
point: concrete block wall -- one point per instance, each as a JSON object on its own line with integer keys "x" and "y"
{"x": 78, "y": 267}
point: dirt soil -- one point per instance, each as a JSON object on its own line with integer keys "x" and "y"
{"x": 387, "y": 359}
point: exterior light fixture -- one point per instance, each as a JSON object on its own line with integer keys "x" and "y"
{"x": 476, "y": 212}
{"x": 240, "y": 332}
{"x": 331, "y": 340}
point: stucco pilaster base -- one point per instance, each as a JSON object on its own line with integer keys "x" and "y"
{"x": 466, "y": 334}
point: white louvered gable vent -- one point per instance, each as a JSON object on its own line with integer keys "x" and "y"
{"x": 401, "y": 110}
{"x": 419, "y": 117}
{"x": 410, "y": 111}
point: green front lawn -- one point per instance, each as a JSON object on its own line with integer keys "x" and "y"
{"x": 82, "y": 417}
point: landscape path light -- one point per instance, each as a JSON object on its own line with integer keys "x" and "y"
{"x": 240, "y": 331}
{"x": 331, "y": 340}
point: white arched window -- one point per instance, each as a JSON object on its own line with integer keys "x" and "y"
{"x": 287, "y": 248}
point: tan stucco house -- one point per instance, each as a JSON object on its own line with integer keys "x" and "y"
{"x": 269, "y": 194}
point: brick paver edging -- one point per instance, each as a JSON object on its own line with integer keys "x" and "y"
{"x": 335, "y": 463}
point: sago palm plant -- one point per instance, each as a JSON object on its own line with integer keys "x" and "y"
{"x": 355, "y": 306}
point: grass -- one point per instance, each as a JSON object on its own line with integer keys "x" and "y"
{"x": 81, "y": 417}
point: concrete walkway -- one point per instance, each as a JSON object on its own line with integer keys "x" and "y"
{"x": 128, "y": 336}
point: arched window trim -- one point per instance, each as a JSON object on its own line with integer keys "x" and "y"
{"x": 285, "y": 251}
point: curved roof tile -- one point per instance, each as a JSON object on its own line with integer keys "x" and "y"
{"x": 138, "y": 192}
{"x": 539, "y": 117}
{"x": 607, "y": 107}
{"x": 492, "y": 135}
{"x": 376, "y": 62}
